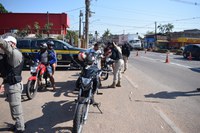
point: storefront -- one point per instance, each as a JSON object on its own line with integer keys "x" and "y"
{"x": 182, "y": 41}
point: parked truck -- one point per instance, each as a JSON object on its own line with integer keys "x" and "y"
{"x": 132, "y": 39}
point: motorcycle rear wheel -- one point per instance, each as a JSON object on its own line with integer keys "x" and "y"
{"x": 30, "y": 90}
{"x": 104, "y": 75}
{"x": 79, "y": 118}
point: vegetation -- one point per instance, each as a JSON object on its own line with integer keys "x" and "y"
{"x": 72, "y": 37}
{"x": 2, "y": 9}
{"x": 37, "y": 30}
{"x": 166, "y": 28}
{"x": 47, "y": 28}
{"x": 25, "y": 32}
{"x": 106, "y": 35}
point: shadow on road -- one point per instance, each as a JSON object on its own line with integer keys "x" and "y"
{"x": 66, "y": 88}
{"x": 173, "y": 95}
{"x": 195, "y": 69}
{"x": 53, "y": 113}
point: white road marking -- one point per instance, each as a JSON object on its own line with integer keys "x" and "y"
{"x": 168, "y": 121}
{"x": 169, "y": 63}
{"x": 132, "y": 83}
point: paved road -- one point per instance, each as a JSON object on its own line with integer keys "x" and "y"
{"x": 154, "y": 97}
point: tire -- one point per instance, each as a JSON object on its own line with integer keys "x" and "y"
{"x": 185, "y": 55}
{"x": 104, "y": 75}
{"x": 79, "y": 118}
{"x": 30, "y": 90}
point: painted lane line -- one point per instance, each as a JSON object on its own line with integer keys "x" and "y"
{"x": 185, "y": 66}
{"x": 168, "y": 121}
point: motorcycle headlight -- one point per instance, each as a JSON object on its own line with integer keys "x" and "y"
{"x": 85, "y": 81}
{"x": 33, "y": 69}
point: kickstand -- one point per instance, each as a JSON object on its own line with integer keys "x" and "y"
{"x": 98, "y": 107}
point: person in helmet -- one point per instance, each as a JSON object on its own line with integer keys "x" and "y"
{"x": 48, "y": 58}
{"x": 52, "y": 61}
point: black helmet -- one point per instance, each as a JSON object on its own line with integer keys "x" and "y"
{"x": 43, "y": 46}
{"x": 50, "y": 43}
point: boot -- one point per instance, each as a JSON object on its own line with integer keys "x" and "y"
{"x": 113, "y": 85}
{"x": 118, "y": 84}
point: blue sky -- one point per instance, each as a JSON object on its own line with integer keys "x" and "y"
{"x": 119, "y": 16}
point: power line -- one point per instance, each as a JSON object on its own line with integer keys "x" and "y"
{"x": 185, "y": 19}
{"x": 187, "y": 2}
{"x": 75, "y": 9}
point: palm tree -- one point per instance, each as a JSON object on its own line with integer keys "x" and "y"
{"x": 106, "y": 35}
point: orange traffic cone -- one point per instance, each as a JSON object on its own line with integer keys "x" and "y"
{"x": 190, "y": 56}
{"x": 167, "y": 58}
{"x": 137, "y": 53}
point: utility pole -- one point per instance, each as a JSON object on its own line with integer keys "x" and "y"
{"x": 87, "y": 12}
{"x": 79, "y": 37}
{"x": 47, "y": 24}
{"x": 156, "y": 33}
{"x": 83, "y": 37}
{"x": 80, "y": 19}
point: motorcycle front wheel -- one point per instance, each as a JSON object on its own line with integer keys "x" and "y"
{"x": 79, "y": 118}
{"x": 31, "y": 89}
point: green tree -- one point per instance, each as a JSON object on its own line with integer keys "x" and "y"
{"x": 166, "y": 28}
{"x": 2, "y": 9}
{"x": 24, "y": 32}
{"x": 37, "y": 30}
{"x": 106, "y": 35}
{"x": 150, "y": 32}
{"x": 72, "y": 36}
{"x": 47, "y": 28}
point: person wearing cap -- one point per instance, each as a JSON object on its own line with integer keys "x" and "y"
{"x": 116, "y": 55}
{"x": 12, "y": 80}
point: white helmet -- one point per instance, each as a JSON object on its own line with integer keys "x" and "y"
{"x": 82, "y": 56}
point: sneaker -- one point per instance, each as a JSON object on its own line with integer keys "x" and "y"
{"x": 12, "y": 128}
{"x": 20, "y": 131}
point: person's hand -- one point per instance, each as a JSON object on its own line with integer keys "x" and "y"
{"x": 2, "y": 88}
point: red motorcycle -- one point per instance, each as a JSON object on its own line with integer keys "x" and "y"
{"x": 38, "y": 79}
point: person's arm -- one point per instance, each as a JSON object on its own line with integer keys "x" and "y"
{"x": 2, "y": 88}
{"x": 54, "y": 59}
{"x": 6, "y": 47}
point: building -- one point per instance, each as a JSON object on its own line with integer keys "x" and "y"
{"x": 179, "y": 39}
{"x": 174, "y": 40}
{"x": 18, "y": 21}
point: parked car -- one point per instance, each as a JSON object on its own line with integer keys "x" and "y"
{"x": 194, "y": 49}
{"x": 66, "y": 54}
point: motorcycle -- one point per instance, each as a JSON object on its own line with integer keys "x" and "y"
{"x": 106, "y": 68}
{"x": 88, "y": 82}
{"x": 37, "y": 80}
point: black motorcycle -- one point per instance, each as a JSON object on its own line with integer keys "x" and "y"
{"x": 88, "y": 84}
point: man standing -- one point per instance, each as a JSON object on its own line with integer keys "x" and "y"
{"x": 126, "y": 54}
{"x": 11, "y": 73}
{"x": 117, "y": 57}
{"x": 97, "y": 53}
